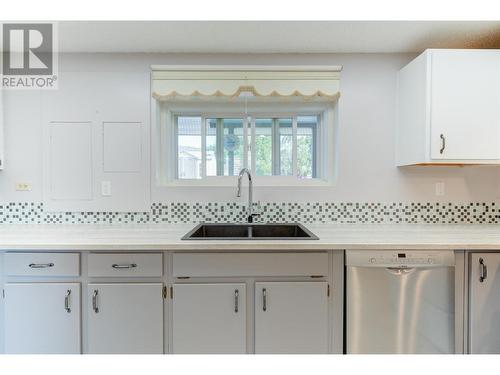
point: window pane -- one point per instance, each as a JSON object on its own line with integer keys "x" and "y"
{"x": 224, "y": 146}
{"x": 306, "y": 146}
{"x": 211, "y": 147}
{"x": 233, "y": 146}
{"x": 189, "y": 147}
{"x": 285, "y": 147}
{"x": 249, "y": 142}
{"x": 263, "y": 147}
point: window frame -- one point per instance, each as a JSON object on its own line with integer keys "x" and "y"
{"x": 167, "y": 144}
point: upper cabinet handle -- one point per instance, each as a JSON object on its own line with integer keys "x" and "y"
{"x": 483, "y": 270}
{"x": 66, "y": 301}
{"x": 41, "y": 265}
{"x": 443, "y": 143}
{"x": 124, "y": 266}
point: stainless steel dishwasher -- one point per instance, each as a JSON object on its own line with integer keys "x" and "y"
{"x": 400, "y": 302}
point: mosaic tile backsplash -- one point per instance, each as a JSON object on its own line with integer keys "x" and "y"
{"x": 311, "y": 212}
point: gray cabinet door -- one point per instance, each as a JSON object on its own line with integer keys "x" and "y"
{"x": 42, "y": 318}
{"x": 484, "y": 303}
{"x": 125, "y": 318}
{"x": 209, "y": 318}
{"x": 291, "y": 317}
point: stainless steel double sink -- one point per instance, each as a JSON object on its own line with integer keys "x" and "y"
{"x": 250, "y": 231}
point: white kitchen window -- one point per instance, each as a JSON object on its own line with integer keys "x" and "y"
{"x": 211, "y": 146}
{"x": 280, "y": 125}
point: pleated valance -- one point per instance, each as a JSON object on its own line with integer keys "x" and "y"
{"x": 245, "y": 83}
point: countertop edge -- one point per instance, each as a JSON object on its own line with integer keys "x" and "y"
{"x": 168, "y": 238}
{"x": 242, "y": 247}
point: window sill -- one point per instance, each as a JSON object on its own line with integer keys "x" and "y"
{"x": 263, "y": 181}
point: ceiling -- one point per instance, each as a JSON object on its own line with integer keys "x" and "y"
{"x": 275, "y": 36}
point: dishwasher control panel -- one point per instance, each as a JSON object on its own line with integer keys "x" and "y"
{"x": 399, "y": 258}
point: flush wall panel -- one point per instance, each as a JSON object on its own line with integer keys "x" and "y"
{"x": 122, "y": 148}
{"x": 70, "y": 160}
{"x": 116, "y": 105}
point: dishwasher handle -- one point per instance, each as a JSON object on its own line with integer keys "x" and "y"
{"x": 400, "y": 271}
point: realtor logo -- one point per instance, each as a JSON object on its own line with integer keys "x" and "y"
{"x": 29, "y": 59}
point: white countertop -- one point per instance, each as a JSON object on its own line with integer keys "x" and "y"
{"x": 168, "y": 237}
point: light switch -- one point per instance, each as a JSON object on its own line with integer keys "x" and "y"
{"x": 106, "y": 188}
{"x": 439, "y": 189}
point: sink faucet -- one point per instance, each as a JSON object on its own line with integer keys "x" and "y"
{"x": 250, "y": 213}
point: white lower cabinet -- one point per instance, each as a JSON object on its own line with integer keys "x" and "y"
{"x": 42, "y": 318}
{"x": 209, "y": 318}
{"x": 125, "y": 318}
{"x": 291, "y": 317}
{"x": 205, "y": 314}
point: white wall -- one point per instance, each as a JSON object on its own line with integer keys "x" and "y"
{"x": 366, "y": 136}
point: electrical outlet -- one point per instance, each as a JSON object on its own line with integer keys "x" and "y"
{"x": 23, "y": 186}
{"x": 440, "y": 189}
{"x": 105, "y": 188}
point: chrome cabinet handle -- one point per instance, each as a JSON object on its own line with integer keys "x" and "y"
{"x": 264, "y": 299}
{"x": 41, "y": 265}
{"x": 443, "y": 143}
{"x": 236, "y": 297}
{"x": 94, "y": 301}
{"x": 483, "y": 270}
{"x": 66, "y": 301}
{"x": 124, "y": 266}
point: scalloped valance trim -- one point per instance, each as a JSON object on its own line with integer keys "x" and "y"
{"x": 245, "y": 89}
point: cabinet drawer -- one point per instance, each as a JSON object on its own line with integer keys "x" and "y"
{"x": 250, "y": 264}
{"x": 42, "y": 264}
{"x": 125, "y": 265}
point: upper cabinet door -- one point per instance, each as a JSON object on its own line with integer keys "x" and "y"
{"x": 125, "y": 318}
{"x": 484, "y": 304}
{"x": 209, "y": 319}
{"x": 42, "y": 318}
{"x": 465, "y": 104}
{"x": 291, "y": 317}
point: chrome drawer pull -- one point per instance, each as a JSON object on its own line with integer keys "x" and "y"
{"x": 236, "y": 297}
{"x": 41, "y": 265}
{"x": 124, "y": 266}
{"x": 94, "y": 301}
{"x": 66, "y": 301}
{"x": 264, "y": 299}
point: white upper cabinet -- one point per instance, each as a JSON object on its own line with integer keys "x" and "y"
{"x": 449, "y": 108}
